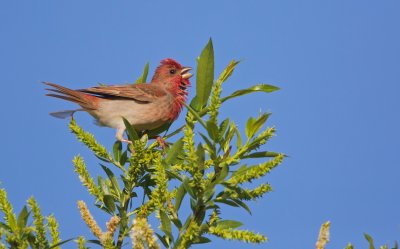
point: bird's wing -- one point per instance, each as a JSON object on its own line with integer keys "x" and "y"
{"x": 139, "y": 92}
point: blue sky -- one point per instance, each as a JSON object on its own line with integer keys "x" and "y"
{"x": 337, "y": 63}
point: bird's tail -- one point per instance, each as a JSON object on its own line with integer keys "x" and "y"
{"x": 87, "y": 101}
{"x": 65, "y": 114}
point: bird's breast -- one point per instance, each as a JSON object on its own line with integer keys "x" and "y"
{"x": 143, "y": 116}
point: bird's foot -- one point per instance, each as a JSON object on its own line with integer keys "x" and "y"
{"x": 126, "y": 141}
{"x": 161, "y": 141}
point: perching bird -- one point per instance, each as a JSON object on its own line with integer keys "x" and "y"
{"x": 145, "y": 106}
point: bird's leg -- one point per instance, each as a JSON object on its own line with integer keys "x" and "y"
{"x": 120, "y": 136}
{"x": 161, "y": 141}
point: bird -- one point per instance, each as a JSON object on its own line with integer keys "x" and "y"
{"x": 145, "y": 106}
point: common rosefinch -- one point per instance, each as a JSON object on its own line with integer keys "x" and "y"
{"x": 145, "y": 106}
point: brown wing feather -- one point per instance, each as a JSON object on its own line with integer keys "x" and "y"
{"x": 140, "y": 92}
{"x": 85, "y": 100}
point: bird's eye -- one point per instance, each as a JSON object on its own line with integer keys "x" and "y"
{"x": 172, "y": 71}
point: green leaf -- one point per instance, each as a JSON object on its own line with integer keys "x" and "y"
{"x": 370, "y": 241}
{"x": 227, "y": 202}
{"x": 180, "y": 194}
{"x": 222, "y": 174}
{"x": 124, "y": 158}
{"x": 227, "y": 224}
{"x": 226, "y": 140}
{"x": 103, "y": 186}
{"x": 166, "y": 225}
{"x": 132, "y": 134}
{"x": 212, "y": 130}
{"x": 163, "y": 240}
{"x": 60, "y": 243}
{"x": 108, "y": 201}
{"x": 238, "y": 138}
{"x": 164, "y": 127}
{"x": 249, "y": 127}
{"x": 222, "y": 128}
{"x": 258, "y": 123}
{"x": 242, "y": 204}
{"x": 208, "y": 143}
{"x": 201, "y": 240}
{"x": 187, "y": 187}
{"x": 257, "y": 88}
{"x": 143, "y": 77}
{"x": 205, "y": 74}
{"x": 117, "y": 149}
{"x": 113, "y": 180}
{"x": 187, "y": 222}
{"x": 177, "y": 223}
{"x": 23, "y": 218}
{"x": 261, "y": 154}
{"x": 174, "y": 151}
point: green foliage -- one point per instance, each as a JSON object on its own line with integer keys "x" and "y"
{"x": 206, "y": 167}
{"x": 207, "y": 172}
{"x": 204, "y": 75}
{"x": 20, "y": 233}
{"x": 143, "y": 77}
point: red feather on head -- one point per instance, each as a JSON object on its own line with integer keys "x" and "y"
{"x": 171, "y": 62}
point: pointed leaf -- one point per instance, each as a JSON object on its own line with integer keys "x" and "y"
{"x": 249, "y": 126}
{"x": 131, "y": 131}
{"x": 227, "y": 202}
{"x": 261, "y": 154}
{"x": 205, "y": 75}
{"x": 166, "y": 224}
{"x": 124, "y": 158}
{"x": 180, "y": 194}
{"x": 174, "y": 151}
{"x": 257, "y": 88}
{"x": 222, "y": 174}
{"x": 113, "y": 179}
{"x": 103, "y": 186}
{"x": 259, "y": 122}
{"x": 201, "y": 240}
{"x": 94, "y": 241}
{"x": 238, "y": 138}
{"x": 370, "y": 241}
{"x": 222, "y": 128}
{"x": 164, "y": 127}
{"x": 227, "y": 224}
{"x": 143, "y": 77}
{"x": 163, "y": 240}
{"x": 60, "y": 243}
{"x": 177, "y": 223}
{"x": 207, "y": 141}
{"x": 242, "y": 204}
{"x": 108, "y": 201}
{"x": 212, "y": 130}
{"x": 117, "y": 150}
{"x": 23, "y": 217}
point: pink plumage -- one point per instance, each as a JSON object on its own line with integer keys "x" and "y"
{"x": 145, "y": 106}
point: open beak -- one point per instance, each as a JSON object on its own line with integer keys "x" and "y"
{"x": 185, "y": 73}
